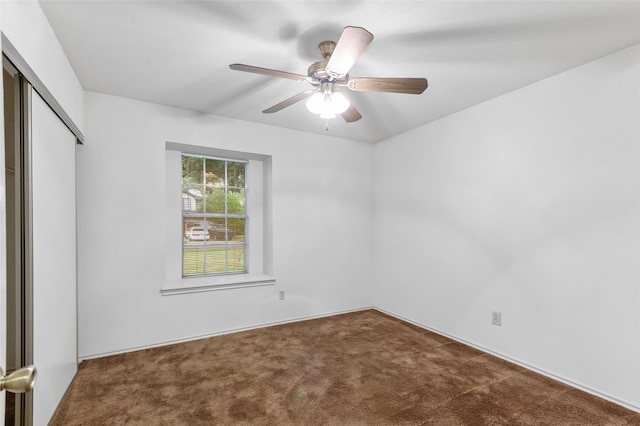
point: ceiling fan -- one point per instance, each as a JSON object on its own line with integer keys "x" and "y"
{"x": 329, "y": 75}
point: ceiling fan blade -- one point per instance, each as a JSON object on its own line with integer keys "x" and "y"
{"x": 394, "y": 85}
{"x": 267, "y": 71}
{"x": 353, "y": 41}
{"x": 288, "y": 102}
{"x": 351, "y": 115}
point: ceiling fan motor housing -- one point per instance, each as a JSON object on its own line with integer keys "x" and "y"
{"x": 318, "y": 71}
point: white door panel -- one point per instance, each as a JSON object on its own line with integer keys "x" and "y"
{"x": 54, "y": 258}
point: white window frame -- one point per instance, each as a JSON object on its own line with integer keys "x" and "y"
{"x": 224, "y": 216}
{"x": 258, "y": 235}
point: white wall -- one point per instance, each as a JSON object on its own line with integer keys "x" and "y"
{"x": 322, "y": 218}
{"x": 25, "y": 26}
{"x": 527, "y": 204}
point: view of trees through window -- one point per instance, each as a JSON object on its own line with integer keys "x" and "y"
{"x": 213, "y": 215}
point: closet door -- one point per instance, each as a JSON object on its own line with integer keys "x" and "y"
{"x": 53, "y": 211}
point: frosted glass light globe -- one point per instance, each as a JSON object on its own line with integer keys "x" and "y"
{"x": 314, "y": 103}
{"x": 339, "y": 102}
{"x": 327, "y": 104}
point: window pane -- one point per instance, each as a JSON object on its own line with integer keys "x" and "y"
{"x": 235, "y": 201}
{"x": 236, "y": 174}
{"x": 235, "y": 257}
{"x": 192, "y": 197}
{"x": 214, "y": 173}
{"x": 192, "y": 169}
{"x": 216, "y": 200}
{"x": 193, "y": 260}
{"x": 236, "y": 227}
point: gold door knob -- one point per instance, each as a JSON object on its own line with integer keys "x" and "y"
{"x": 19, "y": 381}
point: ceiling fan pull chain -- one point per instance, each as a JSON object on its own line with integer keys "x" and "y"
{"x": 327, "y": 126}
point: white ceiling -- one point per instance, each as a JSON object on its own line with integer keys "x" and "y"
{"x": 178, "y": 53}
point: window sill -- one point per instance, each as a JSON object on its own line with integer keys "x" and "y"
{"x": 226, "y": 282}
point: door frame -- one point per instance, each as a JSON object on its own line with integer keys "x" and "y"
{"x": 23, "y": 282}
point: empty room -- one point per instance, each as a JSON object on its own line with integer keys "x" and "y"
{"x": 320, "y": 213}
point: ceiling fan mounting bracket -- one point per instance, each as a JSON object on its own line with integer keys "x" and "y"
{"x": 326, "y": 49}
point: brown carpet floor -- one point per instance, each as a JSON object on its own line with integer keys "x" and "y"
{"x": 362, "y": 368}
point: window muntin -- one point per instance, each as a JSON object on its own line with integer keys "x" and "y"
{"x": 214, "y": 220}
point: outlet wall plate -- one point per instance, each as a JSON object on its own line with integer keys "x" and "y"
{"x": 281, "y": 294}
{"x": 496, "y": 318}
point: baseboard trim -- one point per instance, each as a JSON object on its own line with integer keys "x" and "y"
{"x": 219, "y": 333}
{"x": 561, "y": 379}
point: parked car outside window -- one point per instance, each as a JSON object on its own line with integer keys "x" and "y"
{"x": 197, "y": 233}
{"x": 218, "y": 232}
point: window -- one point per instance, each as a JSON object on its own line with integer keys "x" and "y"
{"x": 226, "y": 196}
{"x": 214, "y": 220}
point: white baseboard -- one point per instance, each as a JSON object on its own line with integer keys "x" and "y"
{"x": 220, "y": 333}
{"x": 564, "y": 380}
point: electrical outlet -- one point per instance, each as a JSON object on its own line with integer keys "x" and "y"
{"x": 281, "y": 294}
{"x": 496, "y": 318}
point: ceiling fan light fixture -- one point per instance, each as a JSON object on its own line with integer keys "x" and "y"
{"x": 328, "y": 104}
{"x": 333, "y": 72}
